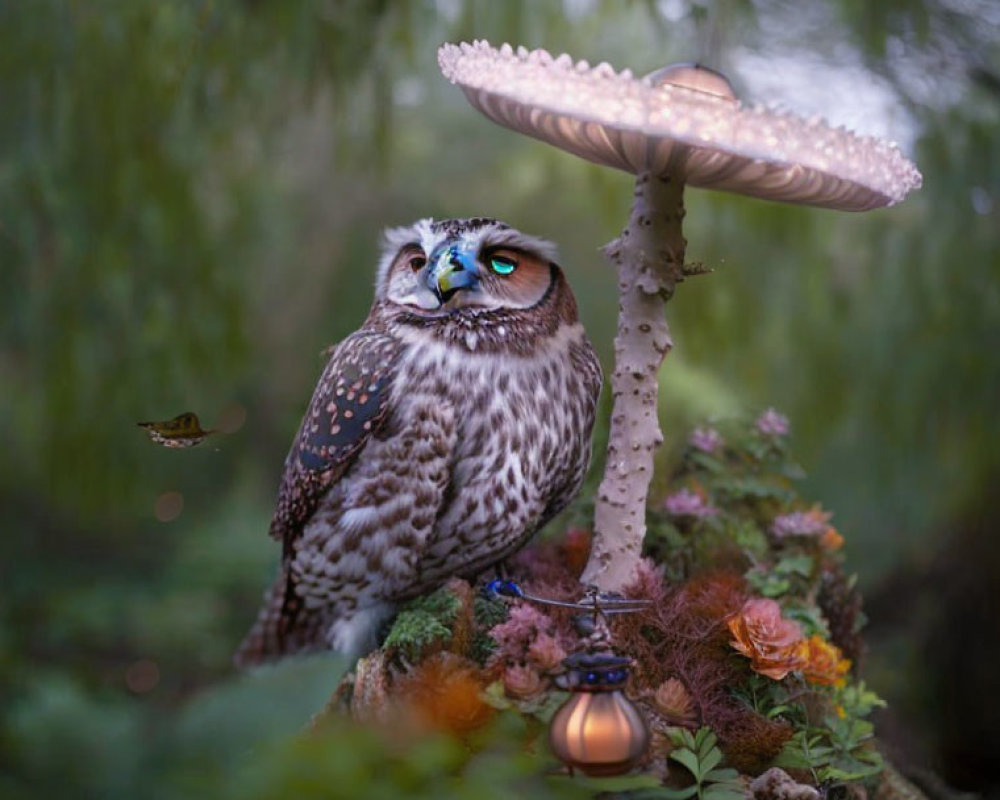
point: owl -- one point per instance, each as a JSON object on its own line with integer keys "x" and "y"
{"x": 441, "y": 436}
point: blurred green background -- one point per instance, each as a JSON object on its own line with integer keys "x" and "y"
{"x": 191, "y": 193}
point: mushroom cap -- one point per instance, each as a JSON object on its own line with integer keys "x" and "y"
{"x": 690, "y": 129}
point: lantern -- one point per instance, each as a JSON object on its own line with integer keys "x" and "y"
{"x": 597, "y": 730}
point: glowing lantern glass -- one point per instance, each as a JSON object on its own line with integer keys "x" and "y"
{"x": 598, "y": 731}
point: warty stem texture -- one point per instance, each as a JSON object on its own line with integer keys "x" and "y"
{"x": 649, "y": 258}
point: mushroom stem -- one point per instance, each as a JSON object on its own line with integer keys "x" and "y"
{"x": 649, "y": 257}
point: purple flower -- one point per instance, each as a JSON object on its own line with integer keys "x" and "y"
{"x": 771, "y": 423}
{"x": 814, "y": 522}
{"x": 686, "y": 503}
{"x": 708, "y": 440}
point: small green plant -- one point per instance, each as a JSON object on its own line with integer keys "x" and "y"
{"x": 487, "y": 614}
{"x": 840, "y": 748}
{"x": 699, "y": 754}
{"x": 423, "y": 623}
{"x": 793, "y": 571}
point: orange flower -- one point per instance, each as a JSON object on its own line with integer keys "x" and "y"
{"x": 825, "y": 664}
{"x": 831, "y": 539}
{"x": 772, "y": 643}
{"x": 445, "y": 693}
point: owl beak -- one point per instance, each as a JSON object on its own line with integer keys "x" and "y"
{"x": 451, "y": 271}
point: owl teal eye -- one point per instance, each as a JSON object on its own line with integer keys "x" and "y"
{"x": 502, "y": 265}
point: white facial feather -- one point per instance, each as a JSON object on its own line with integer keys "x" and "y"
{"x": 393, "y": 240}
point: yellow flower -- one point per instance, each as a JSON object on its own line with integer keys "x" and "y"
{"x": 825, "y": 664}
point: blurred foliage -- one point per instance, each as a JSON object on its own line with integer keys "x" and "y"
{"x": 190, "y": 198}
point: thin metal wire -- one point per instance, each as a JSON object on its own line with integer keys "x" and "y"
{"x": 601, "y": 605}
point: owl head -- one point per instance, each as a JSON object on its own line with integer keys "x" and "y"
{"x": 437, "y": 268}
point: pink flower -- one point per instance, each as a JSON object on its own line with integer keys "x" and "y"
{"x": 814, "y": 522}
{"x": 686, "y": 503}
{"x": 771, "y": 423}
{"x": 708, "y": 440}
{"x": 773, "y": 644}
{"x": 545, "y": 653}
{"x": 529, "y": 636}
{"x": 523, "y": 683}
{"x": 521, "y": 627}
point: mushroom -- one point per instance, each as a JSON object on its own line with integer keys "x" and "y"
{"x": 678, "y": 125}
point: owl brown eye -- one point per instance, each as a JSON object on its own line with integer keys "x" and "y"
{"x": 417, "y": 263}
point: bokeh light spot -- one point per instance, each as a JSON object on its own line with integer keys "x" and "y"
{"x": 232, "y": 418}
{"x": 168, "y": 506}
{"x": 982, "y": 203}
{"x": 142, "y": 676}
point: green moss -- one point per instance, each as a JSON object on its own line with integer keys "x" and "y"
{"x": 423, "y": 624}
{"x": 488, "y": 614}
{"x": 442, "y": 604}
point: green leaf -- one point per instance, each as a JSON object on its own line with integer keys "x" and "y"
{"x": 707, "y": 462}
{"x": 544, "y": 707}
{"x": 809, "y": 617}
{"x": 792, "y": 471}
{"x": 720, "y": 791}
{"x": 722, "y": 774}
{"x": 681, "y": 737}
{"x": 681, "y": 794}
{"x": 689, "y": 760}
{"x": 710, "y": 761}
{"x": 796, "y": 564}
{"x": 775, "y": 587}
{"x": 621, "y": 783}
{"x": 802, "y": 752}
{"x": 495, "y": 696}
{"x": 858, "y": 701}
{"x": 852, "y": 771}
{"x": 707, "y": 741}
{"x": 870, "y": 756}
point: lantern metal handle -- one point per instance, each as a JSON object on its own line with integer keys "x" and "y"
{"x": 602, "y": 604}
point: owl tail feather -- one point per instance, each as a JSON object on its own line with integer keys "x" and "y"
{"x": 283, "y": 627}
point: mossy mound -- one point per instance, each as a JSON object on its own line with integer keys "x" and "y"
{"x": 751, "y": 633}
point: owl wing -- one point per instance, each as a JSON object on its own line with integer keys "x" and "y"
{"x": 586, "y": 365}
{"x": 349, "y": 405}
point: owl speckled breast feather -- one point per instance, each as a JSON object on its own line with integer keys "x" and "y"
{"x": 441, "y": 435}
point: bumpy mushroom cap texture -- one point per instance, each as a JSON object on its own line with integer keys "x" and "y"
{"x": 667, "y": 124}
